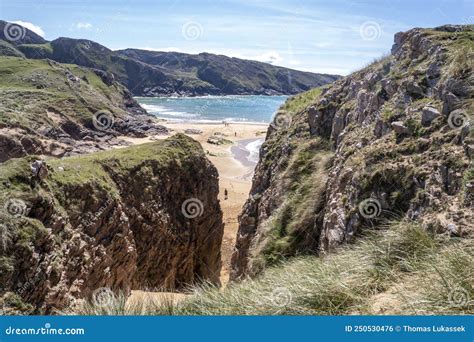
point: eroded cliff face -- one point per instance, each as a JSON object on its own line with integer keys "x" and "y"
{"x": 391, "y": 141}
{"x": 144, "y": 217}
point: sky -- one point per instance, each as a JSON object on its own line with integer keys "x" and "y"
{"x": 335, "y": 36}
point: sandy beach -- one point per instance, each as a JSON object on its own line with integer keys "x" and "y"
{"x": 235, "y": 165}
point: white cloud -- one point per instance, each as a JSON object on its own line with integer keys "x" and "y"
{"x": 271, "y": 57}
{"x": 30, "y": 26}
{"x": 82, "y": 26}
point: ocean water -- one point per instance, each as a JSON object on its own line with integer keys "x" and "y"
{"x": 254, "y": 147}
{"x": 235, "y": 108}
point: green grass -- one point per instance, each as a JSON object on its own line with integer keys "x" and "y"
{"x": 291, "y": 227}
{"x": 12, "y": 304}
{"x": 297, "y": 103}
{"x": 7, "y": 49}
{"x": 30, "y": 88}
{"x": 401, "y": 264}
{"x": 91, "y": 168}
{"x": 37, "y": 50}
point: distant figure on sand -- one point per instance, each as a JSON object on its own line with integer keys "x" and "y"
{"x": 226, "y": 194}
{"x": 235, "y": 134}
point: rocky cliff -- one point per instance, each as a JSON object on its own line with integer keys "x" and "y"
{"x": 390, "y": 142}
{"x": 143, "y": 217}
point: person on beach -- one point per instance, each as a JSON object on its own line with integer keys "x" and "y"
{"x": 226, "y": 194}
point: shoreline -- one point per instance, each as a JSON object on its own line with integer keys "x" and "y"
{"x": 243, "y": 154}
{"x": 166, "y": 122}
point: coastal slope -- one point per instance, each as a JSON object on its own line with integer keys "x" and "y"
{"x": 63, "y": 109}
{"x": 389, "y": 142}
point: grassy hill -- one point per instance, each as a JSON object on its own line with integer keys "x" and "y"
{"x": 148, "y": 73}
{"x": 222, "y": 74}
{"x": 49, "y": 108}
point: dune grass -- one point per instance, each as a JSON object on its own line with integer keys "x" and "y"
{"x": 299, "y": 102}
{"x": 420, "y": 272}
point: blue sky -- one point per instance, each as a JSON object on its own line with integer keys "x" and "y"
{"x": 337, "y": 36}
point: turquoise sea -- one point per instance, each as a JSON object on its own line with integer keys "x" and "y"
{"x": 235, "y": 108}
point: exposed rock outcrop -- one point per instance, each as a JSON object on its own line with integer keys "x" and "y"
{"x": 144, "y": 217}
{"x": 386, "y": 142}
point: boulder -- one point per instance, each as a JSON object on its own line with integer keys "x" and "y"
{"x": 39, "y": 169}
{"x": 413, "y": 88}
{"x": 470, "y": 151}
{"x": 381, "y": 128}
{"x": 428, "y": 115}
{"x": 192, "y": 131}
{"x": 217, "y": 140}
{"x": 400, "y": 128}
{"x": 389, "y": 86}
{"x": 450, "y": 101}
{"x": 399, "y": 39}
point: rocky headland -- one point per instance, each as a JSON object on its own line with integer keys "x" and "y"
{"x": 392, "y": 141}
{"x": 140, "y": 217}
